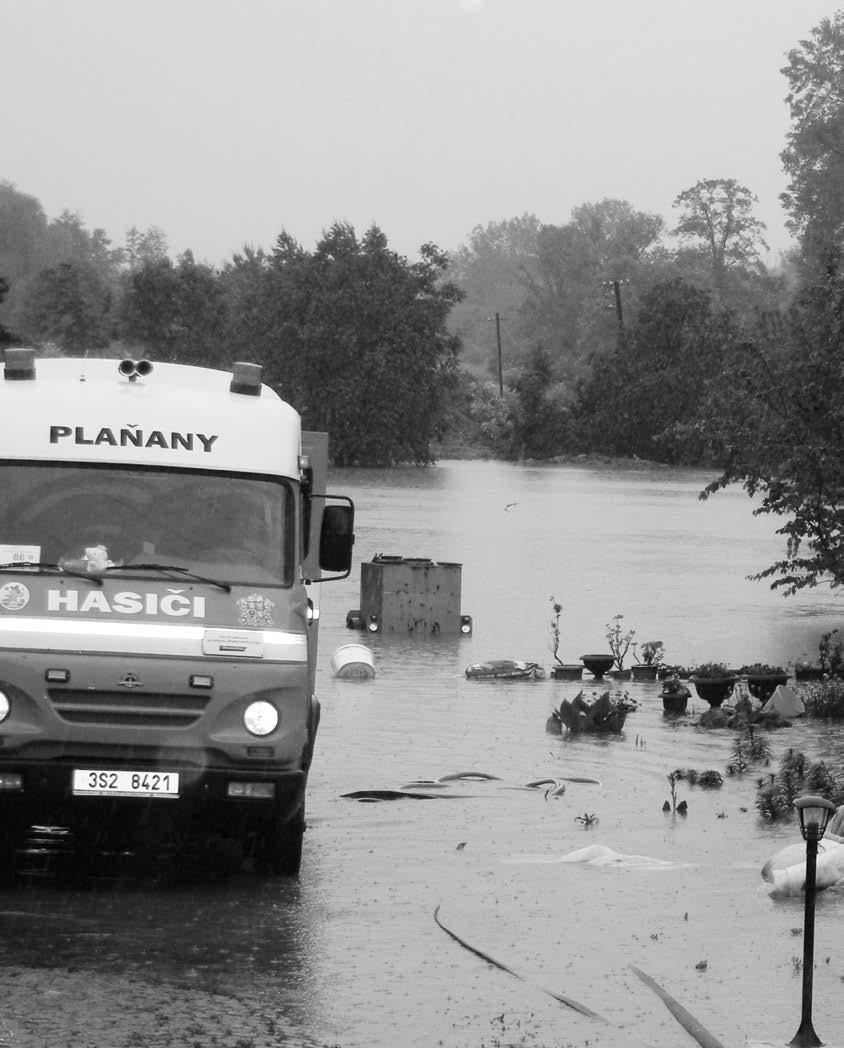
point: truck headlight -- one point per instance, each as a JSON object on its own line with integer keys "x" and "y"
{"x": 260, "y": 718}
{"x": 5, "y": 706}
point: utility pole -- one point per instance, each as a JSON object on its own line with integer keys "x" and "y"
{"x": 498, "y": 343}
{"x": 619, "y": 312}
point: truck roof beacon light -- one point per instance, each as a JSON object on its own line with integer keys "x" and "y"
{"x": 246, "y": 379}
{"x": 20, "y": 364}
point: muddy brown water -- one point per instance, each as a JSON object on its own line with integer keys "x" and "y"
{"x": 351, "y": 954}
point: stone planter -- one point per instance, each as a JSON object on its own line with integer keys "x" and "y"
{"x": 618, "y": 674}
{"x": 643, "y": 672}
{"x": 567, "y": 671}
{"x": 714, "y": 690}
{"x": 598, "y": 664}
{"x": 675, "y": 703}
{"x": 762, "y": 686}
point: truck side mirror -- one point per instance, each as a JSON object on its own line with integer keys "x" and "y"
{"x": 337, "y": 537}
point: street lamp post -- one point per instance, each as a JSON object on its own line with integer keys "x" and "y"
{"x": 814, "y": 814}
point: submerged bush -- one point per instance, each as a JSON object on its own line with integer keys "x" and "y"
{"x": 824, "y": 699}
{"x": 777, "y": 792}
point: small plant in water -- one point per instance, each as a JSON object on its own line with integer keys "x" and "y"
{"x": 673, "y": 778}
{"x": 554, "y": 626}
{"x": 587, "y": 819}
{"x": 750, "y": 748}
{"x": 620, "y": 640}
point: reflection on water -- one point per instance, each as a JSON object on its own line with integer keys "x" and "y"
{"x": 351, "y": 955}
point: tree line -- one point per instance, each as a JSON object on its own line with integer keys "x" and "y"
{"x": 614, "y": 333}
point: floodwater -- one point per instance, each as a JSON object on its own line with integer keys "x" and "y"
{"x": 351, "y": 955}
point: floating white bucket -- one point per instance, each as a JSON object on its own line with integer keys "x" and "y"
{"x": 353, "y": 662}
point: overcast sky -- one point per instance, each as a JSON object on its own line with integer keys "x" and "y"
{"x": 225, "y": 121}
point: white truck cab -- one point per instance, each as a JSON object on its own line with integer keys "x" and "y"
{"x": 160, "y": 525}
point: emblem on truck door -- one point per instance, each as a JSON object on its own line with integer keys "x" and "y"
{"x": 14, "y": 596}
{"x": 129, "y": 680}
{"x": 256, "y": 610}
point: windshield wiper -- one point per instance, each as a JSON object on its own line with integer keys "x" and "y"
{"x": 224, "y": 586}
{"x": 23, "y": 565}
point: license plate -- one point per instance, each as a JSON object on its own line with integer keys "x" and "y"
{"x": 100, "y": 783}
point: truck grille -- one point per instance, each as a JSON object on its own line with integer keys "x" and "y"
{"x": 145, "y": 710}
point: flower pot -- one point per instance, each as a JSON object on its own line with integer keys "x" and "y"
{"x": 763, "y": 685}
{"x": 598, "y": 664}
{"x": 675, "y": 703}
{"x": 714, "y": 690}
{"x": 567, "y": 671}
{"x": 806, "y": 671}
{"x": 644, "y": 672}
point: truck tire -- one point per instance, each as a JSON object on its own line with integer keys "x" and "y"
{"x": 280, "y": 853}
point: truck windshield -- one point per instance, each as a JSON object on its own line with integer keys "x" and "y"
{"x": 230, "y": 527}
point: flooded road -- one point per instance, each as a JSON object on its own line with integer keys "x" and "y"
{"x": 350, "y": 955}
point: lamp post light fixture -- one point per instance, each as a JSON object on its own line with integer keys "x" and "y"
{"x": 814, "y": 814}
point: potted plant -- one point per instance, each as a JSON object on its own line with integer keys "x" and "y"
{"x": 606, "y": 713}
{"x": 563, "y": 670}
{"x": 762, "y": 679}
{"x": 675, "y": 695}
{"x": 652, "y": 656}
{"x": 714, "y": 682}
{"x": 620, "y": 641}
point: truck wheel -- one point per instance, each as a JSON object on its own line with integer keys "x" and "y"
{"x": 280, "y": 852}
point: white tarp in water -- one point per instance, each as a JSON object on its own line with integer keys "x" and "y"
{"x": 786, "y": 870}
{"x": 785, "y": 702}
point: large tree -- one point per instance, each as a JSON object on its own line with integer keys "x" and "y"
{"x": 361, "y": 344}
{"x": 717, "y": 220}
{"x": 640, "y": 398}
{"x": 494, "y": 269}
{"x": 571, "y": 309}
{"x": 69, "y": 305}
{"x": 776, "y": 422}
{"x": 176, "y": 311}
{"x": 814, "y": 154}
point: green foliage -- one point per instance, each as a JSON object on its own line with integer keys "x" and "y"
{"x": 641, "y": 399}
{"x": 761, "y": 669}
{"x": 775, "y": 419}
{"x": 539, "y": 415}
{"x": 814, "y": 154}
{"x": 831, "y": 653}
{"x": 776, "y": 793}
{"x": 69, "y": 305}
{"x": 356, "y": 338}
{"x": 824, "y": 700}
{"x": 176, "y": 312}
{"x": 749, "y": 748}
{"x": 494, "y": 269}
{"x": 717, "y": 217}
{"x": 653, "y": 653}
{"x": 714, "y": 670}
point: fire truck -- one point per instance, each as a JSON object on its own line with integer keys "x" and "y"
{"x": 160, "y": 528}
